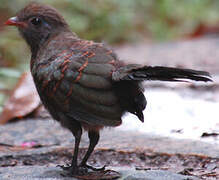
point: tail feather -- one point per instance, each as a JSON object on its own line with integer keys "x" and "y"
{"x": 136, "y": 73}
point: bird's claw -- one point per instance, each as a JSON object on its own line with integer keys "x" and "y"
{"x": 65, "y": 167}
{"x": 73, "y": 170}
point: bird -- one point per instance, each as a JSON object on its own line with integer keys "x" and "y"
{"x": 83, "y": 84}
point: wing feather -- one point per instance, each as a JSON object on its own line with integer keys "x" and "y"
{"x": 82, "y": 88}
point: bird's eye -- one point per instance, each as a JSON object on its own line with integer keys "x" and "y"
{"x": 36, "y": 21}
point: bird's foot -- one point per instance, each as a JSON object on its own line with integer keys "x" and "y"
{"x": 73, "y": 170}
{"x": 88, "y": 172}
{"x": 81, "y": 169}
{"x": 64, "y": 167}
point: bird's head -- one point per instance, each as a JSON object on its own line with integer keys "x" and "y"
{"x": 36, "y": 23}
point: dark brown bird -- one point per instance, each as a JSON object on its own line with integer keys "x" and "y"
{"x": 82, "y": 83}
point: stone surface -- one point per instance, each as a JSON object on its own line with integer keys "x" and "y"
{"x": 32, "y": 173}
{"x": 117, "y": 148}
{"x": 54, "y": 173}
{"x": 158, "y": 175}
{"x": 50, "y": 135}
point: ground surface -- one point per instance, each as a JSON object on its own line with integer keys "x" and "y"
{"x": 123, "y": 150}
{"x": 169, "y": 145}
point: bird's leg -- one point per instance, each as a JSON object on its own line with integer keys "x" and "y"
{"x": 94, "y": 138}
{"x": 77, "y": 132}
{"x": 77, "y": 136}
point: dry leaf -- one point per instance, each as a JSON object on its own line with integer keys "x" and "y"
{"x": 23, "y": 100}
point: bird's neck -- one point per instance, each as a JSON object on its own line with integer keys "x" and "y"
{"x": 41, "y": 42}
{"x": 35, "y": 46}
{"x": 54, "y": 44}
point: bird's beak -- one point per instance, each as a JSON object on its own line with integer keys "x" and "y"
{"x": 13, "y": 21}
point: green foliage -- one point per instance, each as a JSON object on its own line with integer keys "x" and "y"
{"x": 118, "y": 21}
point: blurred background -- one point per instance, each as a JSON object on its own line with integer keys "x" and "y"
{"x": 137, "y": 29}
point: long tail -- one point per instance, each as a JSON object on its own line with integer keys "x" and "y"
{"x": 136, "y": 73}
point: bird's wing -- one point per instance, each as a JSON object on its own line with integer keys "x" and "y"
{"x": 80, "y": 84}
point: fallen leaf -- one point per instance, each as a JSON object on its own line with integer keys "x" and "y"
{"x": 23, "y": 100}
